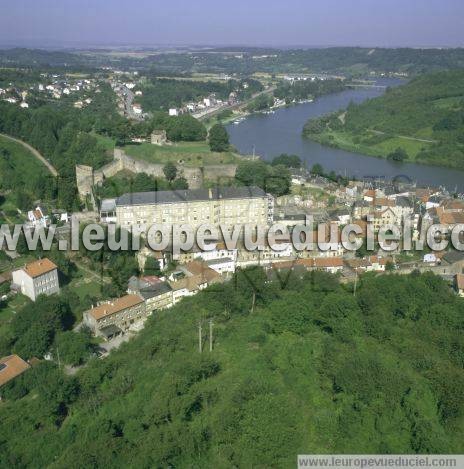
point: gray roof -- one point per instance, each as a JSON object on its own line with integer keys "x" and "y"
{"x": 108, "y": 205}
{"x": 403, "y": 201}
{"x": 219, "y": 260}
{"x": 453, "y": 256}
{"x": 190, "y": 195}
{"x": 155, "y": 290}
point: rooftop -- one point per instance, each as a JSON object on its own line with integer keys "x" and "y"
{"x": 109, "y": 308}
{"x": 40, "y": 267}
{"x": 192, "y": 195}
{"x": 10, "y": 367}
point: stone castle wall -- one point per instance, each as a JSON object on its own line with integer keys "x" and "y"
{"x": 87, "y": 177}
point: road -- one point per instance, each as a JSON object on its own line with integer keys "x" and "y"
{"x": 37, "y": 155}
{"x": 128, "y": 102}
{"x": 406, "y": 137}
{"x": 237, "y": 105}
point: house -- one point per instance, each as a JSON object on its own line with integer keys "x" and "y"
{"x": 114, "y": 317}
{"x": 37, "y": 278}
{"x": 451, "y": 263}
{"x": 386, "y": 217}
{"x": 11, "y": 367}
{"x": 202, "y": 270}
{"x": 222, "y": 265}
{"x": 459, "y": 284}
{"x": 146, "y": 252}
{"x": 108, "y": 211}
{"x": 137, "y": 109}
{"x": 38, "y": 217}
{"x": 158, "y": 137}
{"x": 156, "y": 293}
{"x": 173, "y": 112}
{"x": 329, "y": 264}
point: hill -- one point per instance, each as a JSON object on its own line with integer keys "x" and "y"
{"x": 309, "y": 369}
{"x": 424, "y": 118}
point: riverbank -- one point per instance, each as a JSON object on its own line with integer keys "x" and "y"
{"x": 281, "y": 132}
{"x": 422, "y": 118}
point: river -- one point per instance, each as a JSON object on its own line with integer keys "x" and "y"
{"x": 273, "y": 134}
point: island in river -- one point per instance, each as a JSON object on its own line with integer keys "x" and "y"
{"x": 421, "y": 121}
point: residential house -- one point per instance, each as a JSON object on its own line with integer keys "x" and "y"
{"x": 114, "y": 317}
{"x": 37, "y": 278}
{"x": 38, "y": 218}
{"x": 11, "y": 367}
{"x": 156, "y": 292}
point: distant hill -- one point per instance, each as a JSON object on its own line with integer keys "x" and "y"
{"x": 349, "y": 61}
{"x": 421, "y": 121}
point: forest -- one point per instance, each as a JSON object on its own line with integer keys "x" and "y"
{"x": 299, "y": 365}
{"x": 420, "y": 121}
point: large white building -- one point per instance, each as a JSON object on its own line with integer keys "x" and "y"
{"x": 37, "y": 278}
{"x": 219, "y": 206}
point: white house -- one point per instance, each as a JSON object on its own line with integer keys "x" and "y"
{"x": 38, "y": 218}
{"x": 37, "y": 278}
{"x": 173, "y": 112}
{"x": 222, "y": 265}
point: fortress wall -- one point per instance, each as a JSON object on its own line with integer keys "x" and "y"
{"x": 87, "y": 177}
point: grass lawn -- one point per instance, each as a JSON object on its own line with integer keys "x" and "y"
{"x": 345, "y": 141}
{"x": 191, "y": 154}
{"x": 106, "y": 142}
{"x": 24, "y": 160}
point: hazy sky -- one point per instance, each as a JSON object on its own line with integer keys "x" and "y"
{"x": 284, "y": 22}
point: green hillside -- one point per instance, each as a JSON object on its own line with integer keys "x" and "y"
{"x": 312, "y": 369}
{"x": 424, "y": 118}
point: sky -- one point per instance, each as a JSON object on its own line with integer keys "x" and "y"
{"x": 75, "y": 23}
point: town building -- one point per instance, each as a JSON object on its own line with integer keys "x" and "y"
{"x": 156, "y": 293}
{"x": 108, "y": 211}
{"x": 38, "y": 217}
{"x": 11, "y": 367}
{"x": 114, "y": 317}
{"x": 226, "y": 206}
{"x": 37, "y": 278}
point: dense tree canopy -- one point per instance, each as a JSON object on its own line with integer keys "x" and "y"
{"x": 218, "y": 138}
{"x": 313, "y": 369}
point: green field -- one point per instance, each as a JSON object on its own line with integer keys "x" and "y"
{"x": 22, "y": 170}
{"x": 24, "y": 160}
{"x": 349, "y": 142}
{"x": 191, "y": 154}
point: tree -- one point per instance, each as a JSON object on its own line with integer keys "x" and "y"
{"x": 317, "y": 170}
{"x": 218, "y": 138}
{"x": 152, "y": 267}
{"x": 170, "y": 171}
{"x": 289, "y": 161}
{"x": 73, "y": 347}
{"x": 399, "y": 154}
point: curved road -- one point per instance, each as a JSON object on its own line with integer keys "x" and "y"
{"x": 34, "y": 152}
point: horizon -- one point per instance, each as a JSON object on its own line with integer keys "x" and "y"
{"x": 310, "y": 24}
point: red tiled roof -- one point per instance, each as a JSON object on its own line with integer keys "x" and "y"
{"x": 106, "y": 309}
{"x": 10, "y": 367}
{"x": 40, "y": 267}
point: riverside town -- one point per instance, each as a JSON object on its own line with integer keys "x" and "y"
{"x": 232, "y": 234}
